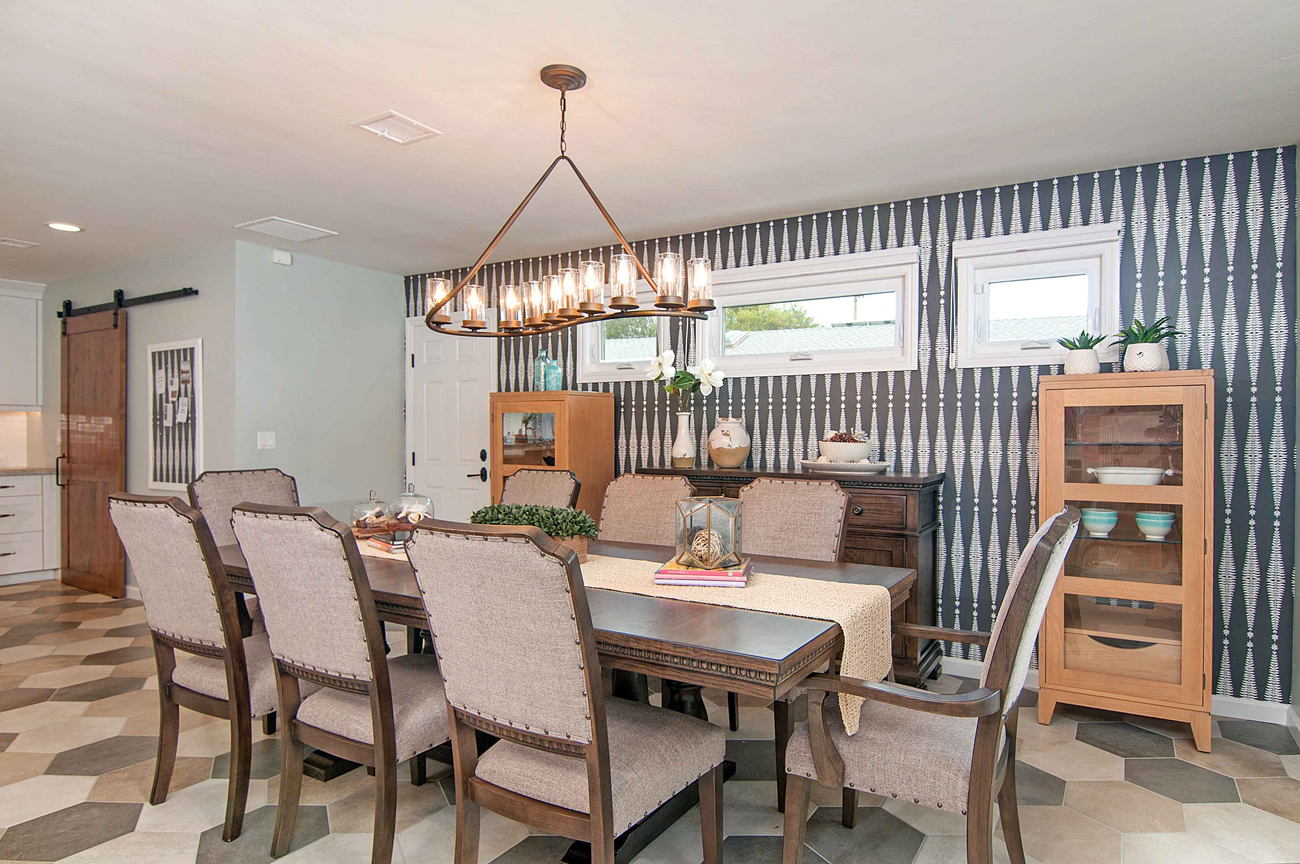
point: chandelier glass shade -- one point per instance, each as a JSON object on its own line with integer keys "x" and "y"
{"x": 572, "y": 295}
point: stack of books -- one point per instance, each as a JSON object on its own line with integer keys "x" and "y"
{"x": 387, "y": 543}
{"x": 673, "y": 573}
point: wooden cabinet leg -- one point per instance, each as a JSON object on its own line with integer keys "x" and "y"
{"x": 1201, "y": 731}
{"x": 1046, "y": 706}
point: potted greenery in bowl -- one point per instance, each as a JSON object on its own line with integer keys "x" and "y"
{"x": 1082, "y": 359}
{"x": 1144, "y": 346}
{"x": 565, "y": 525}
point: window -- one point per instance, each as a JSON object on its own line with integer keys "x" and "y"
{"x": 1017, "y": 295}
{"x": 844, "y": 313}
{"x": 621, "y": 350}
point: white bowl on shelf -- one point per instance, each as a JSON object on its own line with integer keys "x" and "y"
{"x": 1122, "y": 476}
{"x": 845, "y": 451}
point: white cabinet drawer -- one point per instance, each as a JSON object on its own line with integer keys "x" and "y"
{"x": 19, "y": 515}
{"x": 19, "y": 484}
{"x": 20, "y": 553}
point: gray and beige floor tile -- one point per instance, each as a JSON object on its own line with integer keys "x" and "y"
{"x": 78, "y": 727}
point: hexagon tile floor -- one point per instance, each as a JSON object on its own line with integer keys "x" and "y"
{"x": 78, "y": 720}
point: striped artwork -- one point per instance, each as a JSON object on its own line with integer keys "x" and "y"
{"x": 1210, "y": 242}
{"x": 175, "y": 414}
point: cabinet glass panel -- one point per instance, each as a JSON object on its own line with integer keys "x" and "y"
{"x": 1128, "y": 542}
{"x": 528, "y": 438}
{"x": 1128, "y": 638}
{"x": 1134, "y": 445}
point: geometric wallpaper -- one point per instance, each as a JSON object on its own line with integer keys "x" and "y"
{"x": 1210, "y": 242}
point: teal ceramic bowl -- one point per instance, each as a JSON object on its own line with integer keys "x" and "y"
{"x": 1098, "y": 521}
{"x": 1154, "y": 524}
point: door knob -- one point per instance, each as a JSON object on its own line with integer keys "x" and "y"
{"x": 480, "y": 474}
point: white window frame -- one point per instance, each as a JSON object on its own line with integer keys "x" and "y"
{"x": 812, "y": 279}
{"x": 593, "y": 370}
{"x": 1039, "y": 254}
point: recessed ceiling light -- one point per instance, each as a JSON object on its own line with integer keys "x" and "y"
{"x": 64, "y": 226}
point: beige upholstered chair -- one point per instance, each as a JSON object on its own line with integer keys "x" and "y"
{"x": 549, "y": 488}
{"x": 793, "y": 518}
{"x": 641, "y": 508}
{"x": 190, "y": 608}
{"x": 570, "y": 762}
{"x": 954, "y": 753}
{"x": 217, "y": 492}
{"x": 313, "y": 591}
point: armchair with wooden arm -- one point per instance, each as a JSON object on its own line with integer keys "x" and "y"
{"x": 952, "y": 752}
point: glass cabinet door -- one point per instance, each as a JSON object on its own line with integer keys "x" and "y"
{"x": 528, "y": 438}
{"x": 1139, "y": 445}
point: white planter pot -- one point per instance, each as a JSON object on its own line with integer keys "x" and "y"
{"x": 684, "y": 443}
{"x": 1146, "y": 357}
{"x": 1083, "y": 361}
{"x": 729, "y": 443}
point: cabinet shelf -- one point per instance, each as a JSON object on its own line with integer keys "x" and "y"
{"x": 1123, "y": 443}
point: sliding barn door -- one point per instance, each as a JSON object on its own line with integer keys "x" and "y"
{"x": 93, "y": 461}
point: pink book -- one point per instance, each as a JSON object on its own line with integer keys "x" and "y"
{"x": 721, "y": 576}
{"x": 704, "y": 583}
{"x": 672, "y": 569}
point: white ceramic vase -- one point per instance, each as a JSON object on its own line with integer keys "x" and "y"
{"x": 684, "y": 443}
{"x": 1082, "y": 361}
{"x": 729, "y": 443}
{"x": 1146, "y": 357}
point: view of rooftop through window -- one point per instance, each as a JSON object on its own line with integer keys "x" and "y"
{"x": 852, "y": 322}
{"x": 1046, "y": 308}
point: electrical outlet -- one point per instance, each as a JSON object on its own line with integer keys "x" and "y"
{"x": 265, "y": 440}
{"x": 279, "y": 256}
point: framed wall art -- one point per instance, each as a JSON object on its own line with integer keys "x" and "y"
{"x": 175, "y": 414}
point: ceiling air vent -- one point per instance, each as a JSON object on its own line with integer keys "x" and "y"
{"x": 16, "y": 243}
{"x": 398, "y": 127}
{"x": 287, "y": 229}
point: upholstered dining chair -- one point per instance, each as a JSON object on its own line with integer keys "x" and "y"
{"x": 771, "y": 508}
{"x": 570, "y": 761}
{"x": 320, "y": 615}
{"x": 641, "y": 508}
{"x": 547, "y": 487}
{"x": 190, "y": 608}
{"x": 955, "y": 752}
{"x": 217, "y": 492}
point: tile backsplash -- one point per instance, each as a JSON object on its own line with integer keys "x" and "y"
{"x": 13, "y": 439}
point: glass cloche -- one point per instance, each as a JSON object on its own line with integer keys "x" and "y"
{"x": 410, "y": 509}
{"x": 371, "y": 516}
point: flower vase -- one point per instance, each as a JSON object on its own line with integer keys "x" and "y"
{"x": 684, "y": 443}
{"x": 1146, "y": 357}
{"x": 1082, "y": 361}
{"x": 729, "y": 443}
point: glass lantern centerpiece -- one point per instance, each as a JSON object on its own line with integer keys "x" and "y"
{"x": 371, "y": 517}
{"x": 708, "y": 533}
{"x": 410, "y": 509}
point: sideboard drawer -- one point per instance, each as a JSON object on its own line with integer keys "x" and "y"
{"x": 19, "y": 515}
{"x": 20, "y": 553}
{"x": 877, "y": 511}
{"x": 12, "y": 485}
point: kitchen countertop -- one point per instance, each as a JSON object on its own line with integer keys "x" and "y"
{"x": 9, "y": 472}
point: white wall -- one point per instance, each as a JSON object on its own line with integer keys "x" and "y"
{"x": 318, "y": 360}
{"x": 210, "y": 316}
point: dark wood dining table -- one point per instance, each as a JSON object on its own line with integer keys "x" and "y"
{"x": 689, "y": 645}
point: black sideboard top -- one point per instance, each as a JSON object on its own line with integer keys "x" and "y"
{"x": 886, "y": 478}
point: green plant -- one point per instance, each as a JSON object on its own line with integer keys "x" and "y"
{"x": 1142, "y": 334}
{"x": 558, "y": 522}
{"x": 769, "y": 316}
{"x": 1082, "y": 342}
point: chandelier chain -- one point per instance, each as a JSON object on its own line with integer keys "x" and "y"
{"x": 563, "y": 106}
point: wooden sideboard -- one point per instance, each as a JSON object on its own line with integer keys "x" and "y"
{"x": 893, "y": 518}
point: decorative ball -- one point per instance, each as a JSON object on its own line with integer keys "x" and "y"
{"x": 823, "y": 458}
{"x": 706, "y": 546}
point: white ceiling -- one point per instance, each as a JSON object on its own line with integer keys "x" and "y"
{"x": 157, "y": 124}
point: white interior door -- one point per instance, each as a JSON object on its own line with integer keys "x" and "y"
{"x": 448, "y": 380}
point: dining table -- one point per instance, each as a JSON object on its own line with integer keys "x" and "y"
{"x": 687, "y": 645}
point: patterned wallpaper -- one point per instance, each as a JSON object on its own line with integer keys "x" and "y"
{"x": 1209, "y": 242}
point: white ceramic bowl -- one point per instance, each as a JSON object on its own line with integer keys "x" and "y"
{"x": 1120, "y": 476}
{"x": 845, "y": 451}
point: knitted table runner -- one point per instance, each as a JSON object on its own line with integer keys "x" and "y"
{"x": 862, "y": 611}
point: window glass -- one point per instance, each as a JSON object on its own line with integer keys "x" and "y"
{"x": 1031, "y": 309}
{"x": 628, "y": 340}
{"x": 850, "y": 323}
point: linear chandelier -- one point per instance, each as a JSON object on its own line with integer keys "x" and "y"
{"x": 573, "y": 296}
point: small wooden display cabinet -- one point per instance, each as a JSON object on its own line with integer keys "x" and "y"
{"x": 1128, "y": 626}
{"x": 569, "y": 430}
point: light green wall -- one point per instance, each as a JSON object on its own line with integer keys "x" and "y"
{"x": 210, "y": 316}
{"x": 318, "y": 360}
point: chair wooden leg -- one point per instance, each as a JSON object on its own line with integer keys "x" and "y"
{"x": 733, "y": 711}
{"x": 419, "y": 769}
{"x": 467, "y": 813}
{"x": 979, "y": 830}
{"x": 286, "y": 813}
{"x": 241, "y": 757}
{"x": 381, "y": 852}
{"x": 797, "y": 790}
{"x": 710, "y": 787}
{"x": 169, "y": 727}
{"x": 1010, "y": 813}
{"x": 849, "y": 807}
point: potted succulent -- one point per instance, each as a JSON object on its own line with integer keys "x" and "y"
{"x": 1144, "y": 346}
{"x": 566, "y": 525}
{"x": 1082, "y": 359}
{"x": 683, "y": 384}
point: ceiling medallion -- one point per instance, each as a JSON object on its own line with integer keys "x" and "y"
{"x": 574, "y": 296}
